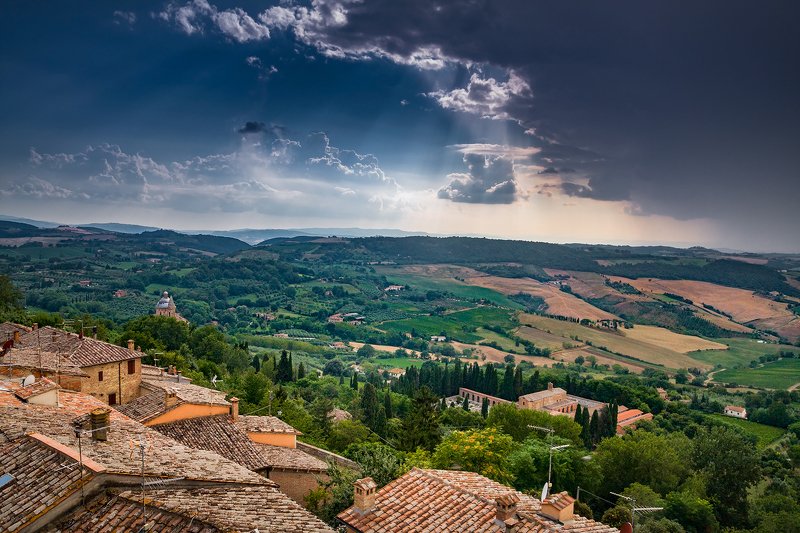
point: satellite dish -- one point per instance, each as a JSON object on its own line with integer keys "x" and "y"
{"x": 544, "y": 492}
{"x": 29, "y": 380}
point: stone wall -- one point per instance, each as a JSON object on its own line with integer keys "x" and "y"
{"x": 116, "y": 380}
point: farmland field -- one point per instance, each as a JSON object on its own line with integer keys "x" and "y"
{"x": 743, "y": 305}
{"x": 543, "y": 339}
{"x": 780, "y": 374}
{"x": 673, "y": 341}
{"x": 493, "y": 355}
{"x": 460, "y": 325}
{"x": 740, "y": 352}
{"x": 438, "y": 280}
{"x": 615, "y": 342}
{"x": 764, "y": 434}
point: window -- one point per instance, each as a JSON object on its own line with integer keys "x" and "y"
{"x": 131, "y": 366}
{"x": 100, "y": 376}
{"x": 112, "y": 399}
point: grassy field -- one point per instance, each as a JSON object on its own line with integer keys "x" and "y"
{"x": 764, "y": 434}
{"x": 461, "y": 325}
{"x": 780, "y": 374}
{"x": 740, "y": 352}
{"x": 543, "y": 339}
{"x": 457, "y": 288}
{"x": 396, "y": 362}
{"x": 669, "y": 339}
{"x": 614, "y": 342}
{"x": 504, "y": 342}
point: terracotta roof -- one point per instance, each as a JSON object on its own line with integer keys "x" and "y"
{"x": 265, "y": 424}
{"x": 240, "y": 509}
{"x": 35, "y": 389}
{"x": 216, "y": 434}
{"x": 630, "y": 415}
{"x": 33, "y": 357}
{"x": 338, "y": 415}
{"x": 165, "y": 458}
{"x": 455, "y": 501}
{"x": 735, "y": 408}
{"x": 284, "y": 458}
{"x": 43, "y": 478}
{"x": 81, "y": 351}
{"x": 559, "y": 500}
{"x": 542, "y": 394}
{"x": 110, "y": 513}
{"x": 7, "y": 330}
{"x": 145, "y": 408}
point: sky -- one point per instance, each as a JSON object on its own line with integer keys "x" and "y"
{"x": 624, "y": 122}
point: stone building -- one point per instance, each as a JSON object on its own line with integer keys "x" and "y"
{"x": 108, "y": 372}
{"x": 166, "y": 307}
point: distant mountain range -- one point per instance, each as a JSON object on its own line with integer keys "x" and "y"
{"x": 248, "y": 235}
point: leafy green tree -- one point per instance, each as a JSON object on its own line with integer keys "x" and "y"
{"x": 346, "y": 432}
{"x": 366, "y": 352}
{"x": 731, "y": 464}
{"x": 660, "y": 462}
{"x": 321, "y": 409}
{"x": 659, "y": 525}
{"x": 207, "y": 342}
{"x": 530, "y": 463}
{"x": 460, "y": 419}
{"x": 485, "y": 451}
{"x": 254, "y": 386}
{"x": 421, "y": 426}
{"x": 516, "y": 422}
{"x": 378, "y": 461}
{"x": 616, "y": 516}
{"x": 334, "y": 495}
{"x": 10, "y": 296}
{"x": 301, "y": 371}
{"x": 693, "y": 513}
{"x": 166, "y": 333}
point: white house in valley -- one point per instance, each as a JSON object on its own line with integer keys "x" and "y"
{"x": 735, "y": 411}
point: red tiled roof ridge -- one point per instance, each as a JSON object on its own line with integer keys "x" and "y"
{"x": 427, "y": 472}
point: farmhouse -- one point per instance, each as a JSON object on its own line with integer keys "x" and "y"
{"x": 735, "y": 411}
{"x": 456, "y": 501}
{"x": 394, "y": 288}
{"x": 438, "y": 338}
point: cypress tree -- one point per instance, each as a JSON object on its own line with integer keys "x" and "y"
{"x": 421, "y": 426}
{"x": 465, "y": 404}
{"x": 578, "y": 414}
{"x": 442, "y": 404}
{"x": 517, "y": 384}
{"x": 387, "y": 405}
{"x": 301, "y": 371}
{"x": 291, "y": 368}
{"x": 380, "y": 422}
{"x": 507, "y": 389}
{"x": 369, "y": 406}
{"x": 256, "y": 363}
{"x": 595, "y": 432}
{"x": 341, "y": 379}
{"x": 485, "y": 408}
{"x": 284, "y": 370}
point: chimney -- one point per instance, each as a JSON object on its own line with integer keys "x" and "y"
{"x": 100, "y": 419}
{"x": 234, "y": 408}
{"x": 130, "y": 345}
{"x": 506, "y": 510}
{"x": 170, "y": 398}
{"x": 35, "y": 326}
{"x": 364, "y": 499}
{"x": 549, "y": 385}
{"x": 559, "y": 507}
{"x": 80, "y": 333}
{"x": 16, "y": 336}
{"x": 178, "y": 375}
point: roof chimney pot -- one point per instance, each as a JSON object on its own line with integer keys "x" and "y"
{"x": 234, "y": 408}
{"x": 364, "y": 499}
{"x": 16, "y": 336}
{"x": 130, "y": 345}
{"x": 549, "y": 385}
{"x": 100, "y": 419}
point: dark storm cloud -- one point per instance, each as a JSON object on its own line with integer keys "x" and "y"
{"x": 250, "y": 128}
{"x": 688, "y": 109}
{"x": 489, "y": 180}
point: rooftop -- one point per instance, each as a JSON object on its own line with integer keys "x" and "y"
{"x": 43, "y": 476}
{"x": 265, "y": 424}
{"x": 542, "y": 394}
{"x": 455, "y": 501}
{"x": 80, "y": 351}
{"x": 35, "y": 389}
{"x": 165, "y": 458}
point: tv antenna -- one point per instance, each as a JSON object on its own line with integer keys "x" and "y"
{"x": 635, "y": 509}
{"x": 549, "y": 485}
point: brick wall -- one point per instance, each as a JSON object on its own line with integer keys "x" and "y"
{"x": 296, "y": 484}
